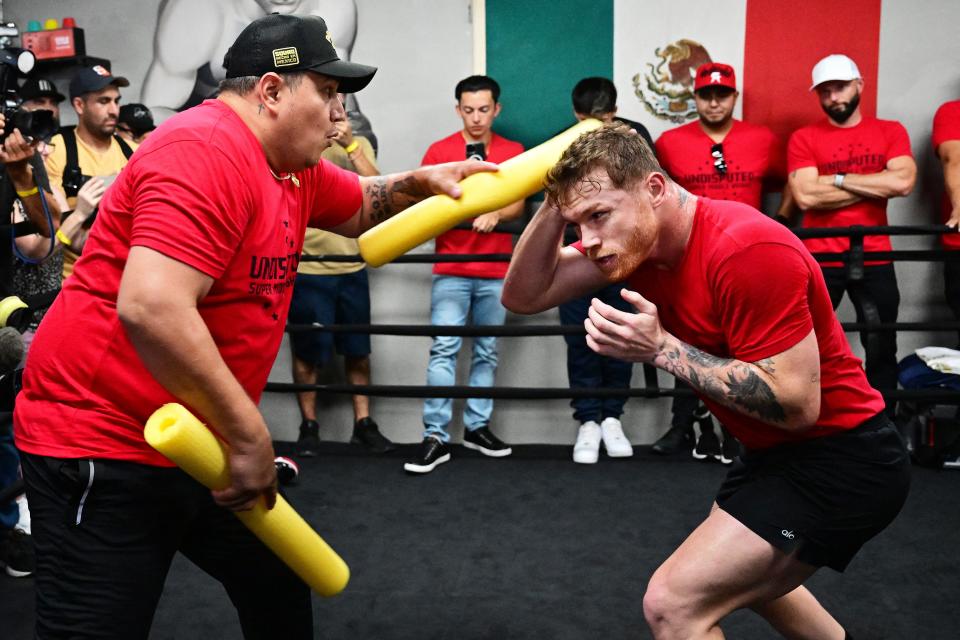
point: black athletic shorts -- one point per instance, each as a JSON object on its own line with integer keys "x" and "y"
{"x": 822, "y": 499}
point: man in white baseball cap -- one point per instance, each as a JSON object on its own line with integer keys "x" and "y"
{"x": 835, "y": 67}
{"x": 842, "y": 172}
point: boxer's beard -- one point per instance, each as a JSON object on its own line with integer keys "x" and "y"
{"x": 842, "y": 113}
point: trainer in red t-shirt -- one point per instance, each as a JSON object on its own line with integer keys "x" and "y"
{"x": 946, "y": 128}
{"x": 234, "y": 221}
{"x": 454, "y": 148}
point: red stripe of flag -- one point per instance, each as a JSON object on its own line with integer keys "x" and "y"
{"x": 783, "y": 42}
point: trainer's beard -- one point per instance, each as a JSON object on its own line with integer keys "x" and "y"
{"x": 842, "y": 114}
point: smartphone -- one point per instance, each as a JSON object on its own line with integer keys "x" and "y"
{"x": 476, "y": 151}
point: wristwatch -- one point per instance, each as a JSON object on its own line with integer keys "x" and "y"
{"x": 838, "y": 180}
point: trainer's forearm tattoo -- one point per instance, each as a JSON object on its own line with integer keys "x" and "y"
{"x": 389, "y": 195}
{"x": 734, "y": 383}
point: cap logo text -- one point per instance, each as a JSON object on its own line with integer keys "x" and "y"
{"x": 286, "y": 57}
{"x": 329, "y": 38}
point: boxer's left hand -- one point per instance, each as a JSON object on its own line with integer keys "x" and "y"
{"x": 634, "y": 337}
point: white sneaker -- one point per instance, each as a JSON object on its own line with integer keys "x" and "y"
{"x": 24, "y": 520}
{"x": 613, "y": 439}
{"x": 587, "y": 448}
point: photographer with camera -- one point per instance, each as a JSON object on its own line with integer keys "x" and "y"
{"x": 23, "y": 187}
{"x": 87, "y": 158}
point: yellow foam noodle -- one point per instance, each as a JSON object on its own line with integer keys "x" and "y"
{"x": 179, "y": 435}
{"x": 518, "y": 178}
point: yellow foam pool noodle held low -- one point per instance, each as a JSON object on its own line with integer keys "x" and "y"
{"x": 518, "y": 178}
{"x": 179, "y": 435}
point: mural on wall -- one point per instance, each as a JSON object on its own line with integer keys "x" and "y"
{"x": 666, "y": 88}
{"x": 193, "y": 36}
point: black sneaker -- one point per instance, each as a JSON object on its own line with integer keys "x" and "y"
{"x": 708, "y": 444}
{"x": 730, "y": 449}
{"x": 16, "y": 553}
{"x": 485, "y": 442}
{"x": 308, "y": 444}
{"x": 678, "y": 438}
{"x": 367, "y": 433}
{"x": 432, "y": 453}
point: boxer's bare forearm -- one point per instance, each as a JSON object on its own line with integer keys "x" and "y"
{"x": 762, "y": 389}
{"x": 542, "y": 273}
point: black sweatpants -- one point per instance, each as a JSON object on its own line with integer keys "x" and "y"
{"x": 875, "y": 298}
{"x": 106, "y": 531}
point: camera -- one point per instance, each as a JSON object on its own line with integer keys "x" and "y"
{"x": 73, "y": 179}
{"x": 34, "y": 125}
{"x": 476, "y": 151}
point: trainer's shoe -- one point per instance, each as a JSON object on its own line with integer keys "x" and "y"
{"x": 16, "y": 553}
{"x": 432, "y": 452}
{"x": 308, "y": 444}
{"x": 485, "y": 442}
{"x": 730, "y": 448}
{"x": 367, "y": 432}
{"x": 614, "y": 441}
{"x": 587, "y": 448}
{"x": 678, "y": 438}
{"x": 287, "y": 470}
{"x": 708, "y": 444}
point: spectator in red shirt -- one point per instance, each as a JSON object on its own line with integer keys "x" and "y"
{"x": 719, "y": 157}
{"x": 467, "y": 289}
{"x": 181, "y": 295}
{"x": 946, "y": 144}
{"x": 731, "y": 302}
{"x": 842, "y": 172}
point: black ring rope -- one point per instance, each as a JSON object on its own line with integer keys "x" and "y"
{"x": 939, "y": 396}
{"x": 540, "y": 330}
{"x": 853, "y": 259}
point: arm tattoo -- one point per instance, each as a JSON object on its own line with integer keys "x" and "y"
{"x": 389, "y": 195}
{"x": 729, "y": 381}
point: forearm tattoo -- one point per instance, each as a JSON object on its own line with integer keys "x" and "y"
{"x": 389, "y": 195}
{"x": 731, "y": 382}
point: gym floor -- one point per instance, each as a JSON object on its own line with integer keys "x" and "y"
{"x": 534, "y": 546}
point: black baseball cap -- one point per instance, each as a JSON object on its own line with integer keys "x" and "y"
{"x": 34, "y": 88}
{"x": 95, "y": 78}
{"x": 292, "y": 43}
{"x": 137, "y": 118}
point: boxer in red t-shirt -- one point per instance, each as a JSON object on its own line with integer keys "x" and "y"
{"x": 731, "y": 302}
{"x": 946, "y": 144}
{"x": 842, "y": 172}
{"x": 719, "y": 157}
{"x": 182, "y": 295}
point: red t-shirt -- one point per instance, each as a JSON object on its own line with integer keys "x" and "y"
{"x": 199, "y": 190}
{"x": 747, "y": 289}
{"x": 753, "y": 155}
{"x": 865, "y": 148}
{"x": 946, "y": 127}
{"x": 451, "y": 149}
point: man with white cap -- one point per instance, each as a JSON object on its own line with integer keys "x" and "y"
{"x": 842, "y": 172}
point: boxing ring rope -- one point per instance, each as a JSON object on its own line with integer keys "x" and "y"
{"x": 853, "y": 259}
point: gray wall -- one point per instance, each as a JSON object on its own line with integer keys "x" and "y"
{"x": 422, "y": 49}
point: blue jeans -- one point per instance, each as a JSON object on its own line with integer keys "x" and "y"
{"x": 586, "y": 368}
{"x": 9, "y": 470}
{"x": 452, "y": 300}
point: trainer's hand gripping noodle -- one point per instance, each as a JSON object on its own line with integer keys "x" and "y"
{"x": 176, "y": 433}
{"x": 518, "y": 178}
